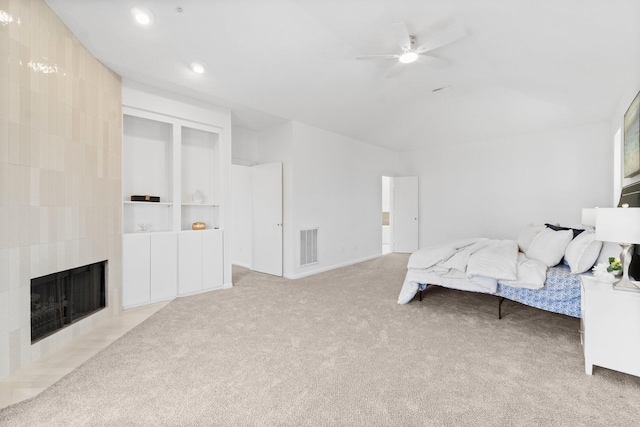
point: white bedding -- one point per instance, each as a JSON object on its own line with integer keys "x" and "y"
{"x": 476, "y": 264}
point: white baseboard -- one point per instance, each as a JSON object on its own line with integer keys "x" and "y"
{"x": 330, "y": 267}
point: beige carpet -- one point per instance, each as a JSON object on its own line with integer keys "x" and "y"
{"x": 336, "y": 349}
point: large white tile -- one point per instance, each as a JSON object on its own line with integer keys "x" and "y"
{"x": 4, "y": 270}
{"x": 34, "y": 193}
{"x": 4, "y": 355}
{"x": 13, "y": 310}
{"x": 14, "y": 267}
{"x": 4, "y": 313}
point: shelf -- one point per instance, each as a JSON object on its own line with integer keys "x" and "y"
{"x": 201, "y": 204}
{"x": 126, "y": 202}
{"x": 149, "y": 232}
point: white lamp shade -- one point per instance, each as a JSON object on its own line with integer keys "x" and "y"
{"x": 621, "y": 225}
{"x": 589, "y": 216}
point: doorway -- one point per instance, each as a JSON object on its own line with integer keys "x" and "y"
{"x": 400, "y": 218}
{"x": 387, "y": 242}
{"x": 256, "y": 192}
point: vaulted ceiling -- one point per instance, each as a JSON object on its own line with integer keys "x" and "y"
{"x": 523, "y": 66}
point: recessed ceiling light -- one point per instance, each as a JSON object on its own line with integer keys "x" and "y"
{"x": 408, "y": 57}
{"x": 198, "y": 67}
{"x": 142, "y": 15}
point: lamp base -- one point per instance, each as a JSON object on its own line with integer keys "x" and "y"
{"x": 626, "y": 285}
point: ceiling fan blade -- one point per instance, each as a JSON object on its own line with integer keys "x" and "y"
{"x": 383, "y": 56}
{"x": 402, "y": 35}
{"x": 442, "y": 39}
{"x": 394, "y": 71}
{"x": 432, "y": 61}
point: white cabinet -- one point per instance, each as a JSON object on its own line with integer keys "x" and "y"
{"x": 164, "y": 266}
{"x": 611, "y": 321}
{"x": 180, "y": 162}
{"x": 136, "y": 269}
{"x": 200, "y": 261}
{"x": 149, "y": 268}
{"x": 190, "y": 262}
{"x": 212, "y": 259}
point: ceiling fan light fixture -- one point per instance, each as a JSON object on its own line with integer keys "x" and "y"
{"x": 408, "y": 57}
{"x": 142, "y": 16}
{"x": 198, "y": 67}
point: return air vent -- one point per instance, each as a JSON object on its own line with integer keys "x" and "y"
{"x": 308, "y": 246}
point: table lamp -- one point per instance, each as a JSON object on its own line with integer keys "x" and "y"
{"x": 589, "y": 216}
{"x": 620, "y": 225}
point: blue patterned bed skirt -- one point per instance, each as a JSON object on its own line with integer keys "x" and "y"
{"x": 561, "y": 292}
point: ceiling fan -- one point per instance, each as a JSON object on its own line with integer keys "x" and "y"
{"x": 410, "y": 53}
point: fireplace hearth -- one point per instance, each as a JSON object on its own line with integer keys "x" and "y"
{"x": 62, "y": 298}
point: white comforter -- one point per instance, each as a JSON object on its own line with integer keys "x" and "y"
{"x": 472, "y": 264}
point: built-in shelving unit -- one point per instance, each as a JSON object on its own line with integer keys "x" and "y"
{"x": 180, "y": 161}
{"x": 147, "y": 168}
{"x": 199, "y": 186}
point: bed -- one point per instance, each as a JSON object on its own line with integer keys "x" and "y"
{"x": 541, "y": 269}
{"x": 469, "y": 265}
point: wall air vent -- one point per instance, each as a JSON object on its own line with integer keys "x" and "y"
{"x": 308, "y": 246}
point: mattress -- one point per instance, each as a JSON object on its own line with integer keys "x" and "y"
{"x": 561, "y": 292}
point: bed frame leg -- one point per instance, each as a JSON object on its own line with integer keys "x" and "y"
{"x": 420, "y": 296}
{"x": 500, "y": 307}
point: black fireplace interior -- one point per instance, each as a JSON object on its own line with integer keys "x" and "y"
{"x": 59, "y": 299}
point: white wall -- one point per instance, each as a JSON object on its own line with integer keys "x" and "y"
{"x": 244, "y": 149}
{"x": 494, "y": 187}
{"x": 386, "y": 193}
{"x": 329, "y": 181}
{"x": 336, "y": 187}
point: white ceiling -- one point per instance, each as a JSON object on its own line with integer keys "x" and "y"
{"x": 524, "y": 66}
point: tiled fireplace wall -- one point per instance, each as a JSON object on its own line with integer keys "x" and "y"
{"x": 60, "y": 170}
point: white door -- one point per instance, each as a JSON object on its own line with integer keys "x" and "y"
{"x": 405, "y": 214}
{"x": 267, "y": 218}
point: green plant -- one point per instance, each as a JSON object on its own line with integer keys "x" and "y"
{"x": 614, "y": 265}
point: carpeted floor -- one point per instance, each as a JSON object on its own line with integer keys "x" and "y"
{"x": 336, "y": 349}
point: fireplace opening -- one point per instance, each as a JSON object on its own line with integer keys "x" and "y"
{"x": 62, "y": 298}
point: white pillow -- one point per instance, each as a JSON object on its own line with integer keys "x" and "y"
{"x": 582, "y": 253}
{"x": 527, "y": 235}
{"x": 549, "y": 246}
{"x": 609, "y": 249}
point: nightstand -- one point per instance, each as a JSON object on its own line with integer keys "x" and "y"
{"x": 611, "y": 323}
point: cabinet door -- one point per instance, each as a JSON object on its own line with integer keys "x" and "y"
{"x": 212, "y": 259}
{"x": 189, "y": 262}
{"x": 135, "y": 269}
{"x": 612, "y": 329}
{"x": 164, "y": 266}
